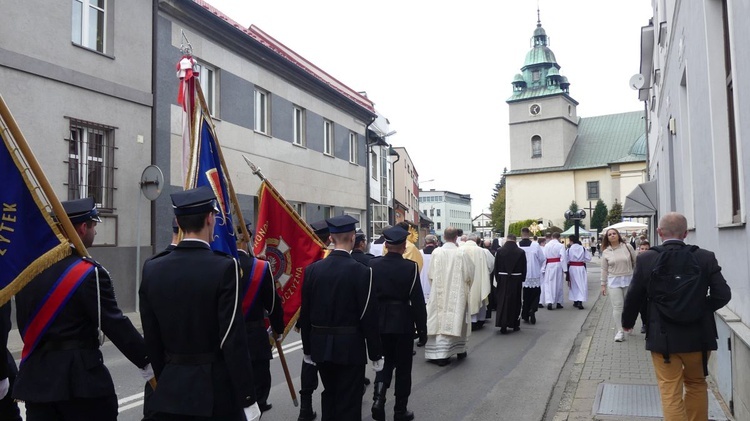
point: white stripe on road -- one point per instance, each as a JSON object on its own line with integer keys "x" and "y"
{"x": 138, "y": 397}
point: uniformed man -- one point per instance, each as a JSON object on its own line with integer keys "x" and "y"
{"x": 309, "y": 373}
{"x": 259, "y": 297}
{"x": 402, "y": 312}
{"x": 62, "y": 374}
{"x": 8, "y": 407}
{"x": 359, "y": 253}
{"x": 339, "y": 311}
{"x": 193, "y": 325}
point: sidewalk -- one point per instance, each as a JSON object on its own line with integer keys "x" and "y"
{"x": 614, "y": 380}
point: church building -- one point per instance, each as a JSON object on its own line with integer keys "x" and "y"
{"x": 557, "y": 157}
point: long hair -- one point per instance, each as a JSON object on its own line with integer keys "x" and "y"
{"x": 605, "y": 240}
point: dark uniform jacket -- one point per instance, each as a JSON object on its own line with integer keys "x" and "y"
{"x": 189, "y": 300}
{"x": 362, "y": 257}
{"x": 55, "y": 373}
{"x": 665, "y": 337}
{"x": 7, "y": 368}
{"x": 400, "y": 297}
{"x": 339, "y": 311}
{"x": 267, "y": 300}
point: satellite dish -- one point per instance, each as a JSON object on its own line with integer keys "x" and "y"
{"x": 637, "y": 81}
{"x": 152, "y": 181}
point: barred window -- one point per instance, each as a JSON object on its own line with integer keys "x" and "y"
{"x": 91, "y": 153}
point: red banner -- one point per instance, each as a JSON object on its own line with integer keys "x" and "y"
{"x": 288, "y": 244}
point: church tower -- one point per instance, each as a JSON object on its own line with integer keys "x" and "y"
{"x": 543, "y": 120}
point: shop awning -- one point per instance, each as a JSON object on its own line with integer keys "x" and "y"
{"x": 641, "y": 202}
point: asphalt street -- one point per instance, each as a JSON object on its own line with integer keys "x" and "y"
{"x": 505, "y": 377}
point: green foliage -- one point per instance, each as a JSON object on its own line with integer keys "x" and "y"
{"x": 499, "y": 186}
{"x": 599, "y": 218}
{"x": 497, "y": 209}
{"x": 515, "y": 228}
{"x": 552, "y": 229}
{"x": 569, "y": 222}
{"x": 615, "y": 214}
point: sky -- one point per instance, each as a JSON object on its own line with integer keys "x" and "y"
{"x": 440, "y": 71}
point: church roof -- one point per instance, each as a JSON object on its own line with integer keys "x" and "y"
{"x": 601, "y": 141}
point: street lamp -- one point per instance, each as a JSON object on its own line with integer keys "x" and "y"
{"x": 575, "y": 217}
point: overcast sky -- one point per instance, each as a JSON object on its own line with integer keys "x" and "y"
{"x": 441, "y": 71}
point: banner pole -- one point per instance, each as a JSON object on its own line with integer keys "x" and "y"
{"x": 286, "y": 372}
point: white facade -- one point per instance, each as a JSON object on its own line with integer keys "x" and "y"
{"x": 446, "y": 209}
{"x": 483, "y": 225}
{"x": 695, "y": 64}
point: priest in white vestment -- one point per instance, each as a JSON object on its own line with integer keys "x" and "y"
{"x": 578, "y": 255}
{"x": 448, "y": 318}
{"x": 480, "y": 287}
{"x": 430, "y": 244}
{"x": 554, "y": 272}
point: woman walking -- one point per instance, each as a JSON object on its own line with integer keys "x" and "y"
{"x": 618, "y": 260}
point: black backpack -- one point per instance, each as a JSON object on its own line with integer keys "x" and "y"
{"x": 677, "y": 288}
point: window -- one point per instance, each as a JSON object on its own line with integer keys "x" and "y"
{"x": 536, "y": 146}
{"x": 261, "y": 111}
{"x": 374, "y": 165}
{"x": 327, "y": 212}
{"x": 592, "y": 190}
{"x": 327, "y": 137}
{"x": 438, "y": 212}
{"x": 299, "y": 126}
{"x": 352, "y": 148}
{"x": 733, "y": 150}
{"x": 536, "y": 75}
{"x": 432, "y": 212}
{"x": 89, "y": 24}
{"x": 91, "y": 163}
{"x": 438, "y": 225}
{"x": 300, "y": 209}
{"x": 206, "y": 76}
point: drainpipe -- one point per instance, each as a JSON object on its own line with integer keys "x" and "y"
{"x": 392, "y": 216}
{"x": 368, "y": 207}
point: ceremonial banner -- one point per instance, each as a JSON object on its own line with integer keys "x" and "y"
{"x": 289, "y": 245}
{"x": 30, "y": 240}
{"x": 207, "y": 168}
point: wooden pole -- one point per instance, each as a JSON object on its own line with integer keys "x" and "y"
{"x": 41, "y": 179}
{"x": 286, "y": 371}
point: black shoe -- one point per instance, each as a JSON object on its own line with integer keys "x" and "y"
{"x": 541, "y": 305}
{"x": 307, "y": 414}
{"x": 517, "y": 328}
{"x": 264, "y": 406}
{"x": 461, "y": 355}
{"x": 549, "y": 306}
{"x": 443, "y": 362}
{"x": 580, "y": 306}
{"x": 404, "y": 415}
{"x": 532, "y": 318}
{"x": 503, "y": 330}
{"x": 525, "y": 319}
{"x": 378, "y": 401}
{"x": 559, "y": 305}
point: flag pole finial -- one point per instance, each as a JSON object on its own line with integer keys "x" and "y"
{"x": 254, "y": 168}
{"x": 185, "y": 47}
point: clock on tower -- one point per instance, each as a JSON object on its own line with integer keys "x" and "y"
{"x": 535, "y": 109}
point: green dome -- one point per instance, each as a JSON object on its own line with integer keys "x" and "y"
{"x": 553, "y": 72}
{"x": 539, "y": 55}
{"x": 518, "y": 78}
{"x": 539, "y": 31}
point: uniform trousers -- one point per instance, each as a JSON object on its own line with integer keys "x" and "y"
{"x": 397, "y": 351}
{"x": 530, "y": 301}
{"x": 685, "y": 369}
{"x": 308, "y": 379}
{"x": 74, "y": 409}
{"x": 8, "y": 408}
{"x": 176, "y": 417}
{"x": 262, "y": 379}
{"x": 343, "y": 389}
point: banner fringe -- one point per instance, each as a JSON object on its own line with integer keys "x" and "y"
{"x": 39, "y": 265}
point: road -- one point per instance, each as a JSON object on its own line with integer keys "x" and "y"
{"x": 505, "y": 377}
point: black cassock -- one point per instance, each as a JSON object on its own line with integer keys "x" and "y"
{"x": 510, "y": 272}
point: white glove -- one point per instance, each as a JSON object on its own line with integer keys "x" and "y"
{"x": 4, "y": 386}
{"x": 378, "y": 365}
{"x": 147, "y": 372}
{"x": 252, "y": 412}
{"x": 308, "y": 360}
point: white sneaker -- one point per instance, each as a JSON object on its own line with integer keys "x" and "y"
{"x": 620, "y": 336}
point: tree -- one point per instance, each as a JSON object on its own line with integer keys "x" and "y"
{"x": 497, "y": 209}
{"x": 515, "y": 228}
{"x": 599, "y": 218}
{"x": 500, "y": 185}
{"x": 615, "y": 214}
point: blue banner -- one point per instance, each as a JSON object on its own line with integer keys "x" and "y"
{"x": 29, "y": 239}
{"x": 208, "y": 171}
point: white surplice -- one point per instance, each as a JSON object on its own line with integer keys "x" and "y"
{"x": 448, "y": 320}
{"x": 578, "y": 279}
{"x": 552, "y": 289}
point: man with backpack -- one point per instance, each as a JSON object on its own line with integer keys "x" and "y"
{"x": 683, "y": 286}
